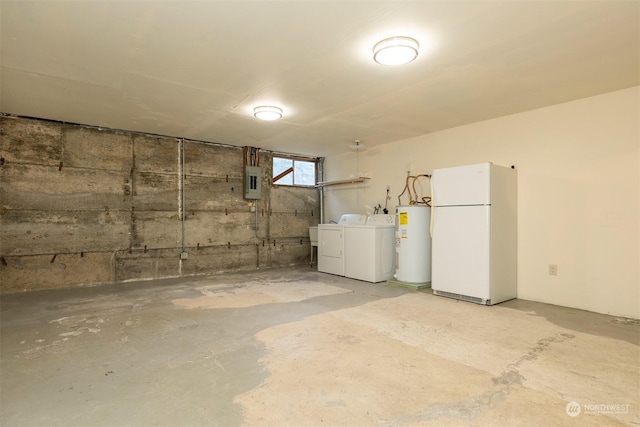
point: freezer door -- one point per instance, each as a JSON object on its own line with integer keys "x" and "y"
{"x": 460, "y": 251}
{"x": 462, "y": 185}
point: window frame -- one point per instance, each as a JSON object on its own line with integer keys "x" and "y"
{"x": 294, "y": 159}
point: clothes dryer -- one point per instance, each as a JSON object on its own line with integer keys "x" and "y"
{"x": 331, "y": 250}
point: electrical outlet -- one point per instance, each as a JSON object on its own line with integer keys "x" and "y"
{"x": 553, "y": 270}
{"x": 184, "y": 255}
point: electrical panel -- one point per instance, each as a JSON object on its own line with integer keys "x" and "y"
{"x": 252, "y": 182}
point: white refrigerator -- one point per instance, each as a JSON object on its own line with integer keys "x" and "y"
{"x": 473, "y": 231}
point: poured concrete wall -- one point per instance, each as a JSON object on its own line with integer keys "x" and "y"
{"x": 81, "y": 206}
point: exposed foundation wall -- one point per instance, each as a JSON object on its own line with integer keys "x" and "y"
{"x": 82, "y": 206}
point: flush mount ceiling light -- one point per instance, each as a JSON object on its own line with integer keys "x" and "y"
{"x": 267, "y": 112}
{"x": 395, "y": 51}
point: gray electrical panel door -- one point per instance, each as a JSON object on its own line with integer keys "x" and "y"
{"x": 252, "y": 182}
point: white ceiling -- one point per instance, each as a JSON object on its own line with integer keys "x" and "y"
{"x": 195, "y": 69}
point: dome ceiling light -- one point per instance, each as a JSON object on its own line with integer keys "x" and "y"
{"x": 267, "y": 112}
{"x": 395, "y": 50}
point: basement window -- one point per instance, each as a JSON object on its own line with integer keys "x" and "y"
{"x": 295, "y": 172}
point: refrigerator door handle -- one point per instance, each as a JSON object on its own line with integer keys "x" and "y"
{"x": 433, "y": 211}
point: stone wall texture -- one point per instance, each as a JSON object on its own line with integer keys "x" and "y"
{"x": 83, "y": 206}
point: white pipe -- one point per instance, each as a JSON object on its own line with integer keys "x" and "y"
{"x": 181, "y": 199}
{"x": 321, "y": 189}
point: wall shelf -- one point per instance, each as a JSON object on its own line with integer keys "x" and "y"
{"x": 342, "y": 182}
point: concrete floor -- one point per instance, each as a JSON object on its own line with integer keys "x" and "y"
{"x": 293, "y": 347}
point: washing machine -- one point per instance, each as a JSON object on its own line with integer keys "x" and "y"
{"x": 370, "y": 249}
{"x": 331, "y": 250}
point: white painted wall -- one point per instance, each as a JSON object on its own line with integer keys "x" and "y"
{"x": 578, "y": 193}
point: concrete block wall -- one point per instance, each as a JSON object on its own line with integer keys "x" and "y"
{"x": 82, "y": 206}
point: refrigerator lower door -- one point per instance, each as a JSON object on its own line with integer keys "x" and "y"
{"x": 460, "y": 252}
